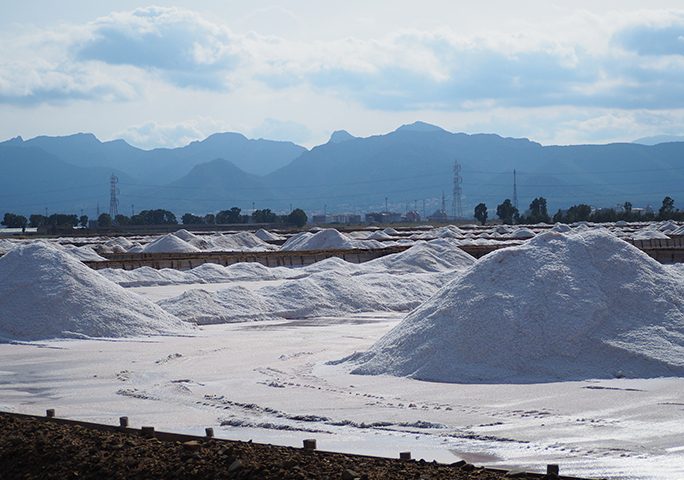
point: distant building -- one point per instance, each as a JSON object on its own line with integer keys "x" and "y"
{"x": 319, "y": 219}
{"x": 383, "y": 217}
{"x": 412, "y": 216}
{"x": 439, "y": 216}
{"x": 345, "y": 218}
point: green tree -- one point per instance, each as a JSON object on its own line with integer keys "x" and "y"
{"x": 154, "y": 217}
{"x": 190, "y": 219}
{"x": 62, "y": 220}
{"x": 506, "y": 211}
{"x": 264, "y": 216}
{"x": 481, "y": 213}
{"x": 297, "y": 217}
{"x": 578, "y": 213}
{"x": 121, "y": 219}
{"x": 83, "y": 220}
{"x": 667, "y": 210}
{"x": 12, "y": 220}
{"x": 37, "y": 220}
{"x": 104, "y": 220}
{"x": 538, "y": 212}
{"x": 558, "y": 217}
{"x": 210, "y": 219}
{"x": 229, "y": 216}
{"x": 627, "y": 210}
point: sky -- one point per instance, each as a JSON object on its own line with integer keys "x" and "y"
{"x": 166, "y": 73}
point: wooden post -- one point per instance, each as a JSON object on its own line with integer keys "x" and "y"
{"x": 209, "y": 432}
{"x": 147, "y": 432}
{"x": 552, "y": 469}
{"x": 50, "y": 412}
{"x": 123, "y": 422}
{"x": 310, "y": 444}
{"x": 405, "y": 455}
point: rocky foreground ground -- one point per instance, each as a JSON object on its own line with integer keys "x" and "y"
{"x": 32, "y": 448}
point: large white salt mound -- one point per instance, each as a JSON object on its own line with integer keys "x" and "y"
{"x": 169, "y": 243}
{"x": 327, "y": 239}
{"x": 438, "y": 255}
{"x": 561, "y": 307}
{"x": 46, "y": 293}
{"x": 237, "y": 242}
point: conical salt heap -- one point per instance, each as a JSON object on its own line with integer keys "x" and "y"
{"x": 46, "y": 293}
{"x": 561, "y": 307}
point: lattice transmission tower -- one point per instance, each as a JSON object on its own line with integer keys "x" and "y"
{"x": 457, "y": 202}
{"x": 515, "y": 190}
{"x": 113, "y": 196}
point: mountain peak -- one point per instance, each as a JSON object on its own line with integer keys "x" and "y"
{"x": 419, "y": 126}
{"x": 339, "y": 136}
{"x": 18, "y": 140}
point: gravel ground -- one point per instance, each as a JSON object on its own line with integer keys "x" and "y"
{"x": 33, "y": 448}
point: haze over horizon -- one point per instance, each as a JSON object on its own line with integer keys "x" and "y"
{"x": 165, "y": 74}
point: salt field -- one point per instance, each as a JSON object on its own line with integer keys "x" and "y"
{"x": 566, "y": 347}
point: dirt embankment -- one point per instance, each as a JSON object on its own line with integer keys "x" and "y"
{"x": 33, "y": 448}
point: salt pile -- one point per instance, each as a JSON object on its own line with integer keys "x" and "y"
{"x": 438, "y": 255}
{"x": 169, "y": 243}
{"x": 650, "y": 234}
{"x": 398, "y": 282}
{"x": 238, "y": 242}
{"x": 523, "y": 234}
{"x": 85, "y": 253}
{"x": 192, "y": 239}
{"x": 46, "y": 293}
{"x": 561, "y": 307}
{"x": 327, "y": 239}
{"x": 6, "y": 246}
{"x": 267, "y": 236}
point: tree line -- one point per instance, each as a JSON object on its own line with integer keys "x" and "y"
{"x": 538, "y": 213}
{"x": 296, "y": 217}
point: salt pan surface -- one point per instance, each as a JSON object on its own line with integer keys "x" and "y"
{"x": 563, "y": 306}
{"x": 46, "y": 293}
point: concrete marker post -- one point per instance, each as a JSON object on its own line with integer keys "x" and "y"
{"x": 209, "y": 432}
{"x": 552, "y": 469}
{"x": 50, "y": 413}
{"x": 147, "y": 432}
{"x": 310, "y": 444}
{"x": 404, "y": 455}
{"x": 123, "y": 422}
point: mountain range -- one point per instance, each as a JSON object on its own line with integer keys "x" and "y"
{"x": 410, "y": 167}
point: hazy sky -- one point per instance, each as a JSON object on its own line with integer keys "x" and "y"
{"x": 165, "y": 73}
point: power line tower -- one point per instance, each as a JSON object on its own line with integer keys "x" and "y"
{"x": 443, "y": 204}
{"x": 515, "y": 190}
{"x": 457, "y": 201}
{"x": 113, "y": 200}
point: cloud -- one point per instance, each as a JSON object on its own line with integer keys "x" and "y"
{"x": 660, "y": 38}
{"x": 274, "y": 129}
{"x": 178, "y": 44}
{"x": 31, "y": 83}
{"x": 153, "y": 135}
{"x": 120, "y": 57}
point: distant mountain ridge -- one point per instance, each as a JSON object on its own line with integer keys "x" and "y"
{"x": 408, "y": 166}
{"x": 166, "y": 164}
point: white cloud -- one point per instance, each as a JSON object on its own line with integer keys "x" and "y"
{"x": 152, "y": 134}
